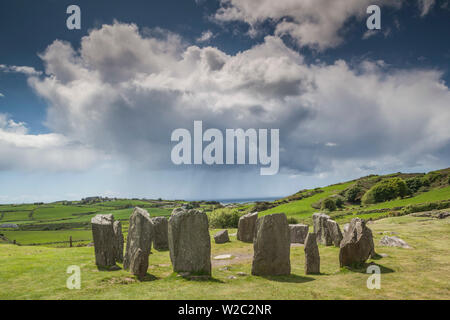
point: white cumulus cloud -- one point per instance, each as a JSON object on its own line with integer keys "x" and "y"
{"x": 124, "y": 92}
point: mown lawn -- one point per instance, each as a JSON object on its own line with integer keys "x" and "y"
{"x": 419, "y": 273}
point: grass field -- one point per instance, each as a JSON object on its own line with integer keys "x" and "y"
{"x": 419, "y": 273}
{"x": 36, "y": 268}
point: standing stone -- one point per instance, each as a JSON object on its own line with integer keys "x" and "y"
{"x": 139, "y": 263}
{"x": 298, "y": 232}
{"x": 345, "y": 228}
{"x": 160, "y": 236}
{"x": 271, "y": 246}
{"x": 335, "y": 232}
{"x": 104, "y": 244}
{"x": 189, "y": 242}
{"x": 246, "y": 227}
{"x": 312, "y": 257}
{"x": 323, "y": 235}
{"x": 140, "y": 235}
{"x": 221, "y": 237}
{"x": 357, "y": 245}
{"x": 118, "y": 236}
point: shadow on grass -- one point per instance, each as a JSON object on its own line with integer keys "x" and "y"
{"x": 109, "y": 268}
{"x": 376, "y": 257}
{"x": 147, "y": 278}
{"x": 293, "y": 278}
{"x": 196, "y": 277}
{"x": 362, "y": 268}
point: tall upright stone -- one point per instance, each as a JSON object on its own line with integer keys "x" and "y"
{"x": 160, "y": 237}
{"x": 323, "y": 235}
{"x": 246, "y": 227}
{"x": 189, "y": 242}
{"x": 312, "y": 257}
{"x": 104, "y": 244}
{"x": 271, "y": 246}
{"x": 298, "y": 232}
{"x": 357, "y": 245}
{"x": 139, "y": 263}
{"x": 335, "y": 232}
{"x": 140, "y": 235}
{"x": 118, "y": 236}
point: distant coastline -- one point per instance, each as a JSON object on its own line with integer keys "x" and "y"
{"x": 242, "y": 200}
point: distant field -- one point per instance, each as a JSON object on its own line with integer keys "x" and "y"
{"x": 43, "y": 237}
{"x": 56, "y": 222}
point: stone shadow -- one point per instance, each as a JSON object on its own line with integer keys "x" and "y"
{"x": 147, "y": 278}
{"x": 292, "y": 278}
{"x": 109, "y": 268}
{"x": 198, "y": 277}
{"x": 362, "y": 268}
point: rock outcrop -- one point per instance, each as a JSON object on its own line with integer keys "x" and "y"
{"x": 357, "y": 245}
{"x": 221, "y": 237}
{"x": 189, "y": 242}
{"x": 246, "y": 227}
{"x": 394, "y": 242}
{"x": 271, "y": 246}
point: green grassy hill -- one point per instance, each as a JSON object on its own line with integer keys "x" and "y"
{"x": 43, "y": 254}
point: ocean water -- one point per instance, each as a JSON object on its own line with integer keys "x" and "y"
{"x": 246, "y": 200}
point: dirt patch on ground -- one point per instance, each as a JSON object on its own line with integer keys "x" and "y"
{"x": 236, "y": 258}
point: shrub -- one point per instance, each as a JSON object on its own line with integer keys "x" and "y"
{"x": 428, "y": 206}
{"x": 224, "y": 218}
{"x": 292, "y": 220}
{"x": 414, "y": 184}
{"x": 328, "y": 204}
{"x": 262, "y": 206}
{"x": 353, "y": 194}
{"x": 386, "y": 190}
{"x": 339, "y": 202}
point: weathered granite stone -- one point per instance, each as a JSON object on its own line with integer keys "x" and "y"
{"x": 246, "y": 227}
{"x": 139, "y": 263}
{"x": 140, "y": 236}
{"x": 221, "y": 237}
{"x": 345, "y": 228}
{"x": 312, "y": 257}
{"x": 394, "y": 242}
{"x": 118, "y": 236}
{"x": 271, "y": 246}
{"x": 357, "y": 245}
{"x": 160, "y": 233}
{"x": 104, "y": 244}
{"x": 298, "y": 232}
{"x": 335, "y": 232}
{"x": 323, "y": 235}
{"x": 189, "y": 242}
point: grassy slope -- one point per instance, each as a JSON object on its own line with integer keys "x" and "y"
{"x": 419, "y": 273}
{"x": 302, "y": 208}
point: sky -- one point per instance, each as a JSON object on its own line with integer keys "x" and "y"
{"x": 90, "y": 112}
